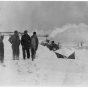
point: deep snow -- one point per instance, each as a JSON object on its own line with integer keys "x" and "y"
{"x": 45, "y": 70}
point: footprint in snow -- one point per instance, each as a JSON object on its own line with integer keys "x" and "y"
{"x": 18, "y": 70}
{"x": 37, "y": 68}
{"x": 23, "y": 80}
{"x": 36, "y": 82}
{"x": 45, "y": 77}
{"x": 38, "y": 75}
{"x": 30, "y": 71}
{"x": 35, "y": 65}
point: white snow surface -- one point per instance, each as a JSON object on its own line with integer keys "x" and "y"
{"x": 46, "y": 70}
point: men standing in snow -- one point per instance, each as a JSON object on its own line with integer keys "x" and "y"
{"x": 15, "y": 41}
{"x": 1, "y": 49}
{"x": 25, "y": 42}
{"x": 34, "y": 45}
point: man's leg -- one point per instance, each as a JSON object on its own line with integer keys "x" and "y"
{"x": 13, "y": 51}
{"x": 17, "y": 52}
{"x": 2, "y": 54}
{"x": 32, "y": 54}
{"x": 2, "y": 60}
{"x": 28, "y": 53}
{"x": 23, "y": 49}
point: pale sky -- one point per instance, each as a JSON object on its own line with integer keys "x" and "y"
{"x": 47, "y": 15}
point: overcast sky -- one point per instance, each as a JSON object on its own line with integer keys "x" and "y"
{"x": 28, "y": 15}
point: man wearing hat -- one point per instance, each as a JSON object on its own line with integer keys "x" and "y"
{"x": 34, "y": 45}
{"x": 2, "y": 50}
{"x": 15, "y": 41}
{"x": 25, "y": 42}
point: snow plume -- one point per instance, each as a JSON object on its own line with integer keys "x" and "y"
{"x": 70, "y": 33}
{"x": 60, "y": 30}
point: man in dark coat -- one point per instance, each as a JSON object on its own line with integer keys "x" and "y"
{"x": 34, "y": 45}
{"x": 15, "y": 41}
{"x": 25, "y": 42}
{"x": 1, "y": 50}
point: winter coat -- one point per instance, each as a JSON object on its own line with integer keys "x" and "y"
{"x": 1, "y": 47}
{"x": 26, "y": 41}
{"x": 14, "y": 40}
{"x": 34, "y": 42}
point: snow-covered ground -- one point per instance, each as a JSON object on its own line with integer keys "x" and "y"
{"x": 45, "y": 70}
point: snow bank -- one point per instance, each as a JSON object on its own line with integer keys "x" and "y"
{"x": 45, "y": 70}
{"x": 44, "y": 52}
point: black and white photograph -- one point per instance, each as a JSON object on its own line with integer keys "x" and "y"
{"x": 43, "y": 43}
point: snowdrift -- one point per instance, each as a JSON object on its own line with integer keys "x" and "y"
{"x": 45, "y": 70}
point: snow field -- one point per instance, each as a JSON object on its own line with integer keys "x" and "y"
{"x": 45, "y": 70}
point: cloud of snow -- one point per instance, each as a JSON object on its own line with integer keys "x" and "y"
{"x": 62, "y": 29}
{"x": 70, "y": 33}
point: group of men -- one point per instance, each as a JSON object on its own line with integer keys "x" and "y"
{"x": 28, "y": 44}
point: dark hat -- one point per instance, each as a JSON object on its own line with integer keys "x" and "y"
{"x": 15, "y": 31}
{"x": 25, "y": 31}
{"x": 34, "y": 33}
